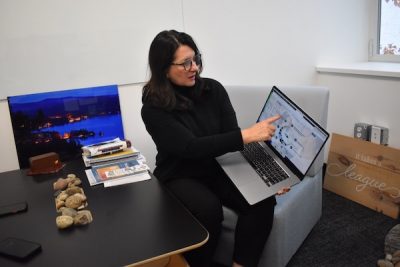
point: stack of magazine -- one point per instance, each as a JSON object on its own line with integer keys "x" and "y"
{"x": 113, "y": 163}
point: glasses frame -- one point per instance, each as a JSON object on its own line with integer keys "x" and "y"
{"x": 188, "y": 63}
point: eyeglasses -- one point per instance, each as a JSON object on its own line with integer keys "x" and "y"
{"x": 188, "y": 63}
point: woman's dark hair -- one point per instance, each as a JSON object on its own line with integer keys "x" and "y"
{"x": 158, "y": 90}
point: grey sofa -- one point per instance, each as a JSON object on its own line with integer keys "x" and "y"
{"x": 297, "y": 211}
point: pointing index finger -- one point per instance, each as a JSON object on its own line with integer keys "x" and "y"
{"x": 273, "y": 118}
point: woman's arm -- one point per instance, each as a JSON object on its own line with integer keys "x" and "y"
{"x": 173, "y": 137}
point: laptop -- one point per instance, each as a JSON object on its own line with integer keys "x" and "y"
{"x": 264, "y": 168}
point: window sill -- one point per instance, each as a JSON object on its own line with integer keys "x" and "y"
{"x": 381, "y": 69}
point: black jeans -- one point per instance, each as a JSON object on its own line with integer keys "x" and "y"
{"x": 204, "y": 198}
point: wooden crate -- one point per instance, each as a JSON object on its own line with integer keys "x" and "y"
{"x": 364, "y": 172}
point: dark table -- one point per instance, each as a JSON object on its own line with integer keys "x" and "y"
{"x": 132, "y": 223}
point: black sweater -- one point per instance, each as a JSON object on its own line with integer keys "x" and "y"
{"x": 188, "y": 141}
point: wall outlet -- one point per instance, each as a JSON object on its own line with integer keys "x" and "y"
{"x": 375, "y": 134}
{"x": 378, "y": 134}
{"x": 361, "y": 131}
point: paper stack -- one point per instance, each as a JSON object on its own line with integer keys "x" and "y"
{"x": 113, "y": 163}
{"x": 108, "y": 151}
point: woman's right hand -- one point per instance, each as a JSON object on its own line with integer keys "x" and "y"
{"x": 261, "y": 131}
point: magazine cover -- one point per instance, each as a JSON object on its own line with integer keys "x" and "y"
{"x": 120, "y": 169}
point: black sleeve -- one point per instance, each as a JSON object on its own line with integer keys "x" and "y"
{"x": 227, "y": 113}
{"x": 172, "y": 137}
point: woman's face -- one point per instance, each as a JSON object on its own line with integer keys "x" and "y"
{"x": 177, "y": 73}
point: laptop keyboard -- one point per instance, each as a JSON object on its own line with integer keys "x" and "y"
{"x": 268, "y": 169}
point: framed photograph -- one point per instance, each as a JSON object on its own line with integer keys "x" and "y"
{"x": 64, "y": 121}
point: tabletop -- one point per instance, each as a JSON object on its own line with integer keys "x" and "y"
{"x": 131, "y": 223}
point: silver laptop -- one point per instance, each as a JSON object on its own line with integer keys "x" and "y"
{"x": 264, "y": 168}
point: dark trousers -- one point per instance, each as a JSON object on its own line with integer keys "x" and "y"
{"x": 204, "y": 198}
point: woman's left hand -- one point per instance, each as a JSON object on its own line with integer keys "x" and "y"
{"x": 283, "y": 191}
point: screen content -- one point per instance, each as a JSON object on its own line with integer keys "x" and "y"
{"x": 296, "y": 138}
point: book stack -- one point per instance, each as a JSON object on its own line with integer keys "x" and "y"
{"x": 127, "y": 153}
{"x": 108, "y": 151}
{"x": 113, "y": 163}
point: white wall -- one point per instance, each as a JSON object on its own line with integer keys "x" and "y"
{"x": 279, "y": 42}
{"x": 373, "y": 100}
{"x": 8, "y": 158}
{"x": 134, "y": 129}
{"x": 344, "y": 35}
{"x": 256, "y": 42}
{"x": 344, "y": 31}
{"x": 51, "y": 45}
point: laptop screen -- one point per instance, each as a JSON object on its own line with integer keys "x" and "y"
{"x": 298, "y": 138}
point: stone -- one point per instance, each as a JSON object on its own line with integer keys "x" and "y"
{"x": 70, "y": 198}
{"x": 395, "y": 260}
{"x": 83, "y": 217}
{"x": 74, "y": 182}
{"x": 64, "y": 221}
{"x": 392, "y": 240}
{"x": 77, "y": 181}
{"x": 396, "y": 257}
{"x": 74, "y": 201}
{"x": 62, "y": 196}
{"x": 385, "y": 263}
{"x": 82, "y": 196}
{"x": 56, "y": 193}
{"x": 396, "y": 253}
{"x": 68, "y": 211}
{"x": 73, "y": 190}
{"x": 60, "y": 184}
{"x": 59, "y": 204}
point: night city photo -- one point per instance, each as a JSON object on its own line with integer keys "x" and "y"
{"x": 64, "y": 121}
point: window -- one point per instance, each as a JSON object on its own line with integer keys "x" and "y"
{"x": 385, "y": 41}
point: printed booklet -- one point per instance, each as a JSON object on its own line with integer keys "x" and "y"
{"x": 125, "y": 169}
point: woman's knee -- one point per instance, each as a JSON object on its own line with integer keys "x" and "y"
{"x": 199, "y": 200}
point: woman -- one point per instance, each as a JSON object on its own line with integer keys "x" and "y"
{"x": 192, "y": 121}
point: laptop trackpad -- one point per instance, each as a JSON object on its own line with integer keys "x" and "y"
{"x": 238, "y": 169}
